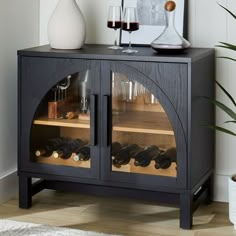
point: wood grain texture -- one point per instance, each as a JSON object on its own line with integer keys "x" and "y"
{"x": 67, "y": 162}
{"x": 121, "y": 216}
{"x": 149, "y": 170}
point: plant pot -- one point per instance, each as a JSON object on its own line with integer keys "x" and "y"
{"x": 66, "y": 27}
{"x": 232, "y": 199}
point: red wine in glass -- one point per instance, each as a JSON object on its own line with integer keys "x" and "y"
{"x": 114, "y": 22}
{"x": 132, "y": 26}
{"x": 130, "y": 23}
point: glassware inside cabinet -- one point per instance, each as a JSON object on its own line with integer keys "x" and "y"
{"x": 143, "y": 140}
{"x": 60, "y": 133}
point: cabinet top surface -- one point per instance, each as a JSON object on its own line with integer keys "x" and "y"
{"x": 101, "y": 52}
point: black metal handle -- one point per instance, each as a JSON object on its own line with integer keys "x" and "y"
{"x": 93, "y": 121}
{"x": 107, "y": 119}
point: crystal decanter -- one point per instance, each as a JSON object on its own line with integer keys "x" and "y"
{"x": 170, "y": 40}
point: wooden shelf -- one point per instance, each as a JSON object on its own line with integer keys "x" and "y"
{"x": 74, "y": 123}
{"x": 136, "y": 122}
{"x": 143, "y": 122}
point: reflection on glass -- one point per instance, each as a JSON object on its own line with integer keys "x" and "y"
{"x": 143, "y": 140}
{"x": 60, "y": 133}
{"x": 149, "y": 98}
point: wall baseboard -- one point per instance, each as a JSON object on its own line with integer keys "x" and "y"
{"x": 8, "y": 186}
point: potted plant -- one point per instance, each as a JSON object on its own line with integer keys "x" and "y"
{"x": 232, "y": 114}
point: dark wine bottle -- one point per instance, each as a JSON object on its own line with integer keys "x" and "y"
{"x": 124, "y": 155}
{"x": 49, "y": 147}
{"x": 145, "y": 156}
{"x": 69, "y": 146}
{"x": 115, "y": 148}
{"x": 164, "y": 160}
{"x": 83, "y": 154}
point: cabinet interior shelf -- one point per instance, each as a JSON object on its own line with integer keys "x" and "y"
{"x": 73, "y": 123}
{"x": 137, "y": 122}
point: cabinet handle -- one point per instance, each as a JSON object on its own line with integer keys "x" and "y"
{"x": 94, "y": 124}
{"x": 107, "y": 119}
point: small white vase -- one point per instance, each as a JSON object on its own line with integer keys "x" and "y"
{"x": 66, "y": 27}
{"x": 232, "y": 201}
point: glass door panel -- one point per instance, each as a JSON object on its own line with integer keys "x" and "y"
{"x": 60, "y": 133}
{"x": 143, "y": 140}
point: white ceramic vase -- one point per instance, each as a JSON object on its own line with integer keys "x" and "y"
{"x": 66, "y": 27}
{"x": 232, "y": 201}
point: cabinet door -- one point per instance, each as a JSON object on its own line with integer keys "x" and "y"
{"x": 58, "y": 119}
{"x": 144, "y": 123}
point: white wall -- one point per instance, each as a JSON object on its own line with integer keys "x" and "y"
{"x": 208, "y": 24}
{"x": 19, "y": 28}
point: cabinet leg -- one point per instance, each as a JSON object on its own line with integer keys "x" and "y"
{"x": 186, "y": 211}
{"x": 25, "y": 195}
{"x": 209, "y": 185}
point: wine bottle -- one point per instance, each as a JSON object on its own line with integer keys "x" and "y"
{"x": 51, "y": 145}
{"x": 164, "y": 160}
{"x": 83, "y": 154}
{"x": 124, "y": 155}
{"x": 69, "y": 146}
{"x": 145, "y": 156}
{"x": 115, "y": 148}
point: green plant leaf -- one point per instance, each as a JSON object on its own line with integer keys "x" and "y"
{"x": 218, "y": 128}
{"x": 230, "y": 121}
{"x": 223, "y": 107}
{"x": 227, "y": 94}
{"x": 234, "y": 16}
{"x": 229, "y": 58}
{"x": 227, "y": 46}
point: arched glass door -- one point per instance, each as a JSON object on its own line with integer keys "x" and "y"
{"x": 143, "y": 140}
{"x": 60, "y": 133}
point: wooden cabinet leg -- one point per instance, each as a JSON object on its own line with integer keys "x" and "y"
{"x": 25, "y": 193}
{"x": 186, "y": 211}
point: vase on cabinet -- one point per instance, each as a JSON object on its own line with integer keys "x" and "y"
{"x": 232, "y": 199}
{"x": 66, "y": 27}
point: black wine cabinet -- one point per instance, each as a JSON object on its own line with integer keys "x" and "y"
{"x": 100, "y": 121}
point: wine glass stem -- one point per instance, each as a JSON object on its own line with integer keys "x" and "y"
{"x": 115, "y": 43}
{"x": 130, "y": 40}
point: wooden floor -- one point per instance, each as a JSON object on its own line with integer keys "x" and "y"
{"x": 117, "y": 216}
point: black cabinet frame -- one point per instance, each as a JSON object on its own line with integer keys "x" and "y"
{"x": 178, "y": 81}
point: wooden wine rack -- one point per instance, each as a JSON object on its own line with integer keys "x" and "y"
{"x": 129, "y": 168}
{"x": 64, "y": 162}
{"x": 149, "y": 170}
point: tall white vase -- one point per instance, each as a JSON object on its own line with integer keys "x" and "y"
{"x": 232, "y": 201}
{"x": 66, "y": 27}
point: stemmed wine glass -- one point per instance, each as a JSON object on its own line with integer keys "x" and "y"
{"x": 130, "y": 23}
{"x": 114, "y": 22}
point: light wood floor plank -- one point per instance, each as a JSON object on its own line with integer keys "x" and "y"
{"x": 117, "y": 215}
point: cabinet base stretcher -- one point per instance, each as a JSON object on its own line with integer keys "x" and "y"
{"x": 187, "y": 200}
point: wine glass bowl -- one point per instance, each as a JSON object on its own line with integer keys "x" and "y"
{"x": 130, "y": 23}
{"x": 114, "y": 22}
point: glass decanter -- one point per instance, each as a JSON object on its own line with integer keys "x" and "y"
{"x": 170, "y": 40}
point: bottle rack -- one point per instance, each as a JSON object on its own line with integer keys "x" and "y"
{"x": 149, "y": 170}
{"x": 65, "y": 162}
